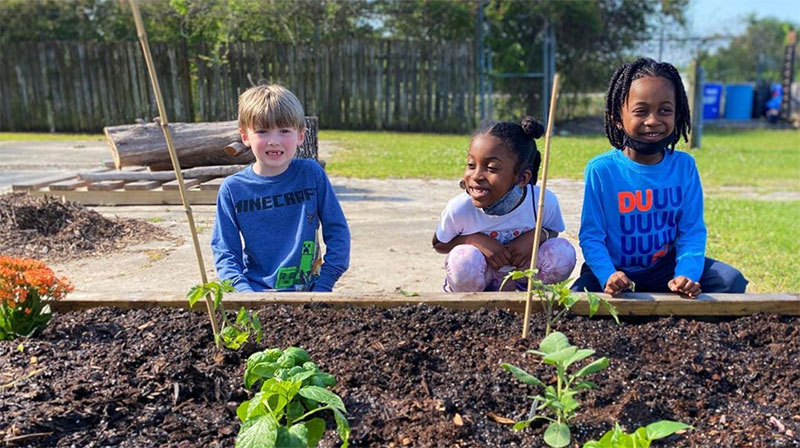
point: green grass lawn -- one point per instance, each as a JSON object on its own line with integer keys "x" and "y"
{"x": 46, "y": 136}
{"x": 758, "y": 237}
{"x": 762, "y": 159}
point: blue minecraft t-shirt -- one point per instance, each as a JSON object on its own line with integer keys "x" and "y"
{"x": 265, "y": 230}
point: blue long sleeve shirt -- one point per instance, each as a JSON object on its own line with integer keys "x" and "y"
{"x": 265, "y": 230}
{"x": 634, "y": 214}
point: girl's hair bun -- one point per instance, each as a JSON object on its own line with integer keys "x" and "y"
{"x": 531, "y": 127}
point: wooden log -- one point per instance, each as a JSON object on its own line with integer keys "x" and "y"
{"x": 628, "y": 304}
{"x": 197, "y": 144}
{"x": 164, "y": 176}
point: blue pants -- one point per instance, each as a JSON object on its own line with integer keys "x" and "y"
{"x": 717, "y": 277}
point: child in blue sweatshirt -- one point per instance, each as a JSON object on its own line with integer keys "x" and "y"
{"x": 642, "y": 219}
{"x": 267, "y": 214}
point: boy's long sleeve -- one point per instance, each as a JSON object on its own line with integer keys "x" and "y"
{"x": 265, "y": 236}
{"x": 593, "y": 234}
{"x": 635, "y": 214}
{"x": 226, "y": 244}
{"x": 691, "y": 233}
{"x": 336, "y": 235}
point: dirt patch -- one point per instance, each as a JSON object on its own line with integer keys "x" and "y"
{"x": 52, "y": 229}
{"x": 408, "y": 376}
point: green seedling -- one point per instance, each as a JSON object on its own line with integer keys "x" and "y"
{"x": 641, "y": 438}
{"x": 558, "y": 402}
{"x": 233, "y": 334}
{"x": 292, "y": 390}
{"x": 557, "y": 299}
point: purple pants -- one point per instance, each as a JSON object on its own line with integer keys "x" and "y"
{"x": 466, "y": 269}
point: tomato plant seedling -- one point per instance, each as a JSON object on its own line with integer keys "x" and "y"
{"x": 559, "y": 400}
{"x": 233, "y": 334}
{"x": 557, "y": 299}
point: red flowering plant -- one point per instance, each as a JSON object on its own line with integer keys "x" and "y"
{"x": 27, "y": 287}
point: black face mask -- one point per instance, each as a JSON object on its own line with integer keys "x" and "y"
{"x": 646, "y": 148}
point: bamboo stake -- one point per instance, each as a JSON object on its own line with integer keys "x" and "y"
{"x": 537, "y": 234}
{"x": 137, "y": 18}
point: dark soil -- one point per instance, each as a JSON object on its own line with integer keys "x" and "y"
{"x": 412, "y": 376}
{"x": 51, "y": 229}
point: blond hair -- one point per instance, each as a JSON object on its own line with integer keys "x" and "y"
{"x": 270, "y": 106}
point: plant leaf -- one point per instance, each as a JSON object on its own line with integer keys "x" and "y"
{"x": 295, "y": 410}
{"x": 316, "y": 429}
{"x": 594, "y": 303}
{"x": 294, "y": 437}
{"x": 612, "y": 310}
{"x": 260, "y": 432}
{"x": 591, "y": 368}
{"x": 342, "y": 427}
{"x": 554, "y": 342}
{"x": 195, "y": 294}
{"x": 664, "y": 428}
{"x": 322, "y": 395}
{"x": 557, "y": 435}
{"x": 558, "y": 357}
{"x": 579, "y": 355}
{"x": 584, "y": 385}
{"x": 522, "y": 375}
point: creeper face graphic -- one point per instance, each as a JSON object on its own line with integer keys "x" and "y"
{"x": 289, "y": 276}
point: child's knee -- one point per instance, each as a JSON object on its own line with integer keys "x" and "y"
{"x": 555, "y": 261}
{"x": 465, "y": 268}
{"x": 723, "y": 278}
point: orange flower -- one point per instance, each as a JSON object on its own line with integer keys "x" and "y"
{"x": 28, "y": 311}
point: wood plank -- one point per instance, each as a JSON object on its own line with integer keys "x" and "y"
{"x": 105, "y": 185}
{"x": 41, "y": 182}
{"x": 68, "y": 184}
{"x": 142, "y": 185}
{"x": 213, "y": 184}
{"x": 134, "y": 197}
{"x": 632, "y": 304}
{"x": 187, "y": 183}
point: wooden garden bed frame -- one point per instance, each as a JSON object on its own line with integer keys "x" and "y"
{"x": 631, "y": 304}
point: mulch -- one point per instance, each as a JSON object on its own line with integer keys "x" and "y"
{"x": 416, "y": 376}
{"x": 50, "y": 229}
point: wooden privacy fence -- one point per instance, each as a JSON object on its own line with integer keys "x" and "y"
{"x": 83, "y": 86}
{"x": 354, "y": 84}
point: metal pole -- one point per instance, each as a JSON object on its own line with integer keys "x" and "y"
{"x": 696, "y": 76}
{"x": 137, "y": 18}
{"x": 540, "y": 212}
{"x": 481, "y": 71}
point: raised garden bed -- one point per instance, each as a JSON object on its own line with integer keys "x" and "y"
{"x": 411, "y": 376}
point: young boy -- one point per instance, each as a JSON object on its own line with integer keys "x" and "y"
{"x": 276, "y": 205}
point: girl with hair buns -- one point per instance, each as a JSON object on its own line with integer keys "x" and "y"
{"x": 487, "y": 231}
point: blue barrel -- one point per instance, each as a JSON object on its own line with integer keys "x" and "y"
{"x": 712, "y": 100}
{"x": 738, "y": 101}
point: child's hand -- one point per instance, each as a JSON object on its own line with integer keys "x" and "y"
{"x": 682, "y": 284}
{"x": 617, "y": 283}
{"x": 520, "y": 249}
{"x": 496, "y": 254}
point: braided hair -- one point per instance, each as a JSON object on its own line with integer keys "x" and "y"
{"x": 518, "y": 138}
{"x": 620, "y": 86}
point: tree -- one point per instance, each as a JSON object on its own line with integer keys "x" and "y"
{"x": 755, "y": 55}
{"x": 593, "y": 38}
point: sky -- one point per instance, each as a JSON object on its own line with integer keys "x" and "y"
{"x": 713, "y": 16}
{"x": 710, "y": 17}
